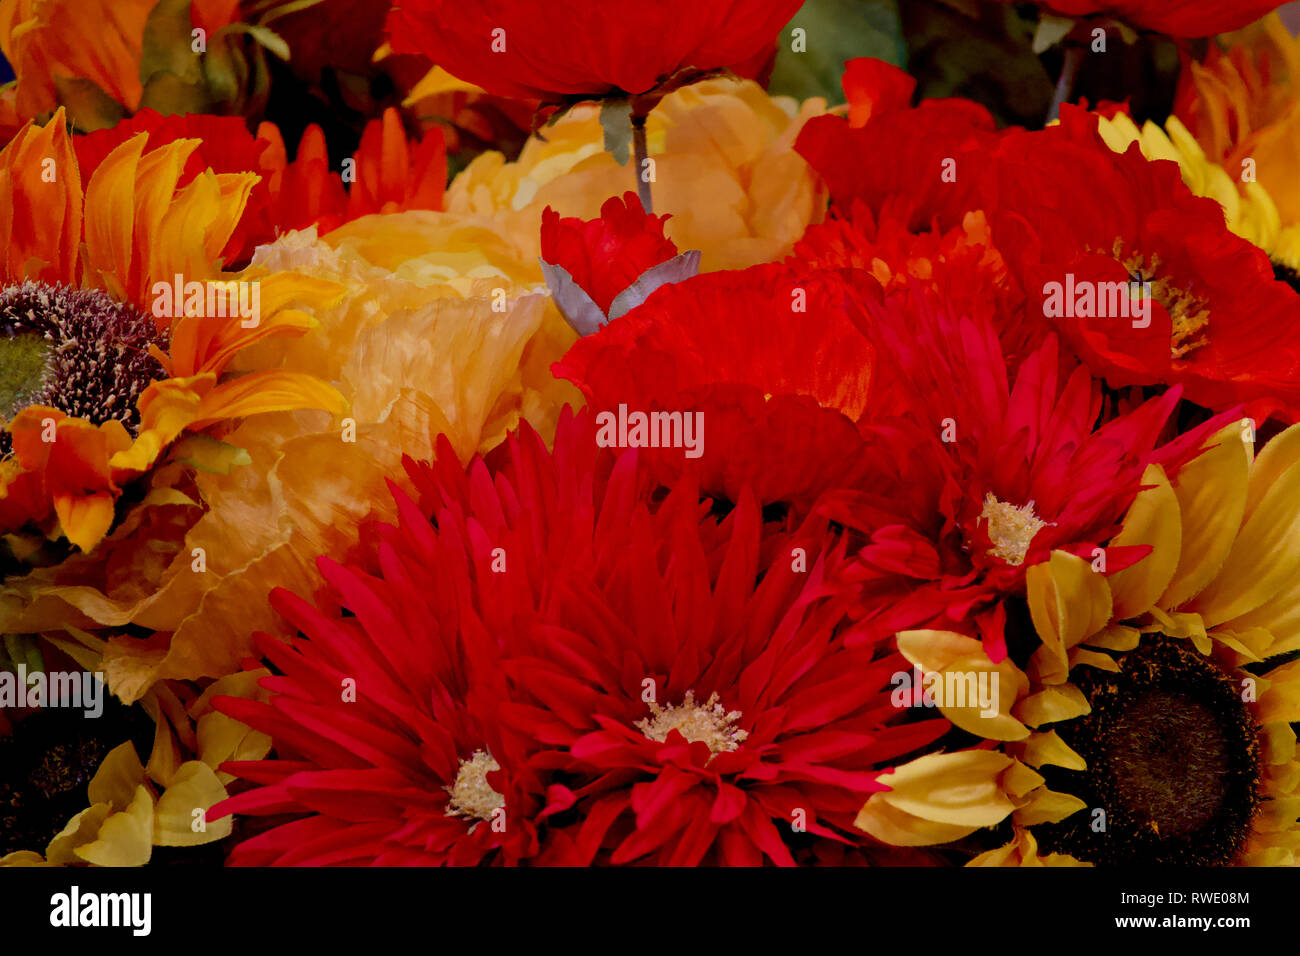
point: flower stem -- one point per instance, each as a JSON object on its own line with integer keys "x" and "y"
{"x": 640, "y": 153}
{"x": 1065, "y": 83}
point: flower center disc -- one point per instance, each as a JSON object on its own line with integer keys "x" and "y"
{"x": 1173, "y": 761}
{"x": 76, "y": 350}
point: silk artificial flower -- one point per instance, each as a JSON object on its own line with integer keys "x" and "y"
{"x": 418, "y": 345}
{"x": 389, "y": 172}
{"x": 725, "y": 171}
{"x": 1198, "y": 305}
{"x": 1001, "y": 471}
{"x": 555, "y": 663}
{"x": 81, "y": 271}
{"x": 1241, "y": 106}
{"x": 587, "y": 48}
{"x": 767, "y": 359}
{"x": 601, "y": 269}
{"x": 1174, "y": 676}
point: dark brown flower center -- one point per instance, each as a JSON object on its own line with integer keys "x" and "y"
{"x": 1173, "y": 762}
{"x": 76, "y": 350}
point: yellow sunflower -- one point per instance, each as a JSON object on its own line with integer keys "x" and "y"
{"x": 99, "y": 381}
{"x": 1152, "y": 723}
{"x": 137, "y": 807}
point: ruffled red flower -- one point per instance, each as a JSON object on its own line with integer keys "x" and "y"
{"x": 996, "y": 475}
{"x": 604, "y": 258}
{"x": 584, "y": 48}
{"x": 1175, "y": 18}
{"x": 1219, "y": 322}
{"x": 903, "y": 163}
{"x": 769, "y": 358}
{"x": 556, "y": 618}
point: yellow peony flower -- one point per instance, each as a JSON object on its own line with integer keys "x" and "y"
{"x": 433, "y": 336}
{"x": 725, "y": 168}
{"x": 1157, "y": 702}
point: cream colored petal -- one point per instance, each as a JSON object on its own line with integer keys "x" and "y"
{"x": 180, "y": 819}
{"x": 126, "y": 838}
{"x": 1052, "y": 704}
{"x": 961, "y": 789}
{"x": 1048, "y": 748}
{"x": 962, "y": 665}
{"x": 1048, "y": 806}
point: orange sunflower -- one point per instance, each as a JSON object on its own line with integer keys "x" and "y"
{"x": 100, "y": 379}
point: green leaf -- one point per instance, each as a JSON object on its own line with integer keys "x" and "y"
{"x": 834, "y": 32}
{"x": 171, "y": 95}
{"x": 89, "y": 107}
{"x": 168, "y": 43}
{"x": 988, "y": 58}
{"x": 616, "y": 121}
{"x": 22, "y": 368}
{"x": 1051, "y": 31}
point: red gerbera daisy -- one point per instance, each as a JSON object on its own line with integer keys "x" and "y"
{"x": 995, "y": 476}
{"x": 584, "y": 48}
{"x": 769, "y": 360}
{"x": 604, "y": 674}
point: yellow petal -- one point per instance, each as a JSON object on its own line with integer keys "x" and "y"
{"x": 1048, "y": 806}
{"x": 126, "y": 838}
{"x": 85, "y": 519}
{"x": 180, "y": 819}
{"x": 1153, "y": 519}
{"x": 80, "y": 831}
{"x": 1048, "y": 748}
{"x": 1068, "y": 602}
{"x": 1211, "y": 491}
{"x": 961, "y": 789}
{"x": 1053, "y": 704}
{"x": 272, "y": 391}
{"x": 118, "y": 776}
{"x": 890, "y": 825}
{"x": 962, "y": 665}
{"x": 1265, "y": 555}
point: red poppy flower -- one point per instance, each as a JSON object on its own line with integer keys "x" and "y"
{"x": 599, "y": 269}
{"x": 903, "y": 163}
{"x": 1213, "y": 317}
{"x": 768, "y": 359}
{"x": 997, "y": 474}
{"x": 584, "y": 48}
{"x": 1175, "y": 18}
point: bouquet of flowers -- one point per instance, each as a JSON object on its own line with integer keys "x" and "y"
{"x": 852, "y": 432}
